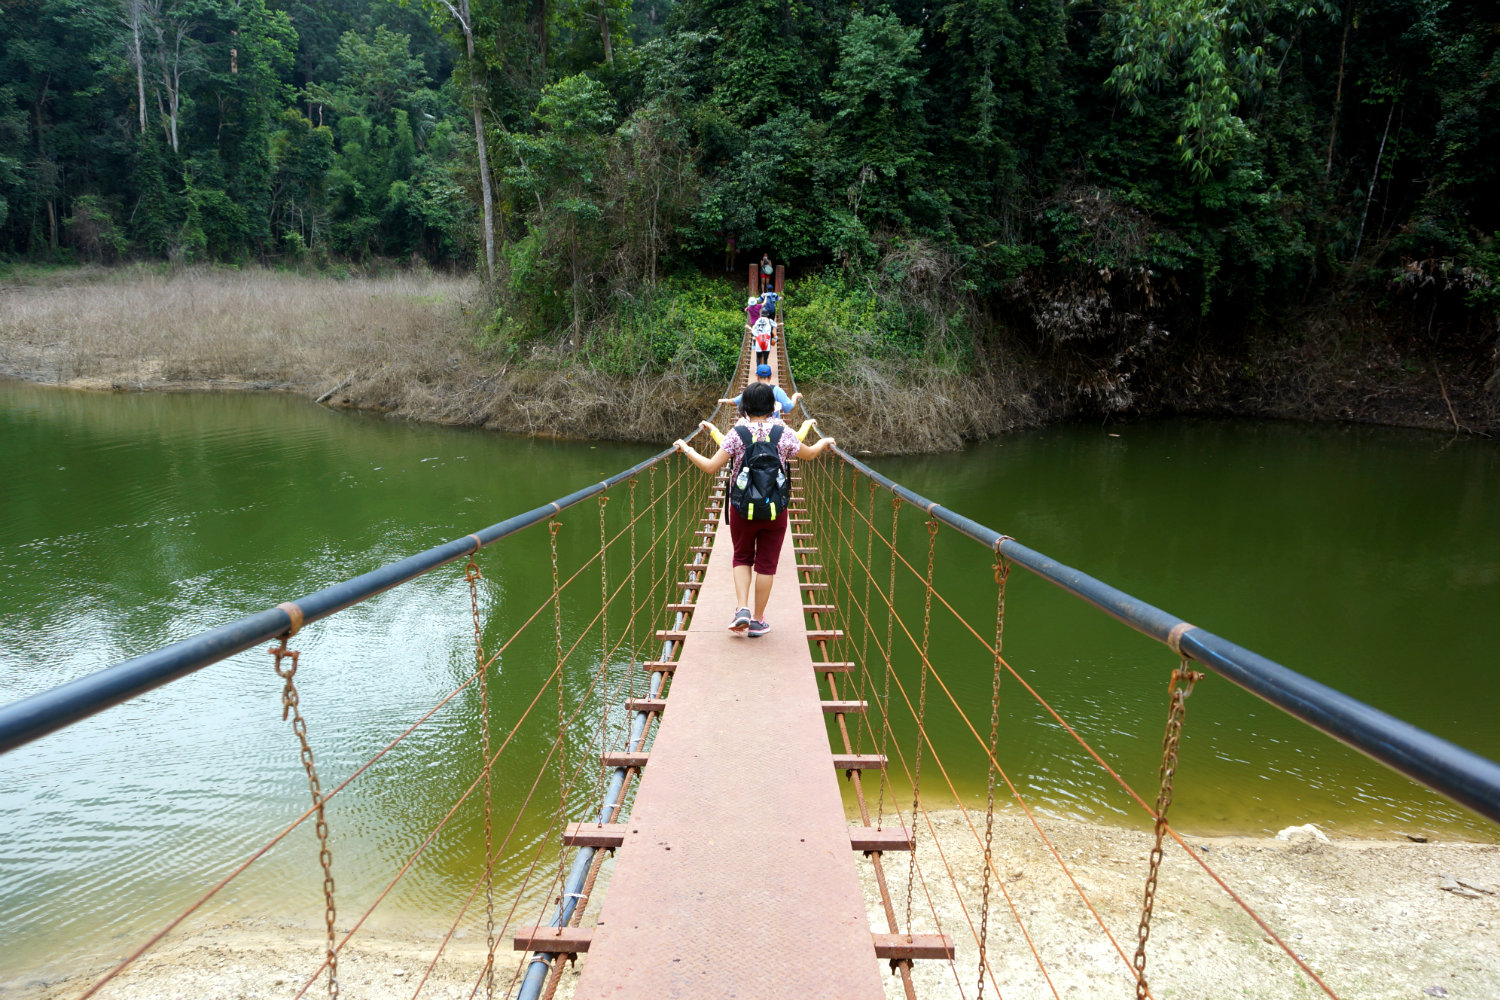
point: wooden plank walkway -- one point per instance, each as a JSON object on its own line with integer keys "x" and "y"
{"x": 735, "y": 875}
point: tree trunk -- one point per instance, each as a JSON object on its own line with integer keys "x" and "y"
{"x": 609, "y": 55}
{"x": 140, "y": 66}
{"x": 484, "y": 160}
{"x": 1338, "y": 92}
{"x": 543, "y": 34}
{"x": 1374, "y": 179}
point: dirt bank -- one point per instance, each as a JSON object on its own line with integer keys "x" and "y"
{"x": 1374, "y": 919}
{"x": 405, "y": 344}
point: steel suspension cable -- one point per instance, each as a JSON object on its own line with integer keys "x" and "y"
{"x": 1259, "y": 921}
{"x": 959, "y": 800}
{"x": 519, "y": 815}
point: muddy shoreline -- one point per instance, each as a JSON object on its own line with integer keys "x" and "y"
{"x": 405, "y": 345}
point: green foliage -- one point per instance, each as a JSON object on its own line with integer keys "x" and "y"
{"x": 837, "y": 319}
{"x": 691, "y": 326}
{"x": 93, "y": 231}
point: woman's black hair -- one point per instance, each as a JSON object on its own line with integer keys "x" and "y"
{"x": 758, "y": 401}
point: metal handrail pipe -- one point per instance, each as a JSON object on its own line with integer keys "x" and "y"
{"x": 609, "y": 811}
{"x": 1462, "y": 775}
{"x": 31, "y": 718}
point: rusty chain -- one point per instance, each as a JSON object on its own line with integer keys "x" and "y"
{"x": 651, "y": 549}
{"x": 473, "y": 576}
{"x": 885, "y": 701}
{"x": 553, "y": 527}
{"x": 634, "y": 645}
{"x": 604, "y": 691}
{"x": 1002, "y": 574}
{"x": 916, "y": 781}
{"x": 290, "y": 701}
{"x": 1177, "y": 696}
{"x": 864, "y": 634}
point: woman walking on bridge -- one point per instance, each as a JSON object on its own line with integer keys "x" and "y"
{"x": 756, "y": 527}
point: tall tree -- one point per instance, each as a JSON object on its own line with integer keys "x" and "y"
{"x": 462, "y": 15}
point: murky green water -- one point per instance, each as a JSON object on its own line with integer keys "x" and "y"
{"x": 1367, "y": 559}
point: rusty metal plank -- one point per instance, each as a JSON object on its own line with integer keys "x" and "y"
{"x": 843, "y": 707}
{"x": 867, "y": 838}
{"x": 810, "y": 567}
{"x": 615, "y": 759}
{"x": 818, "y": 609}
{"x": 554, "y": 940}
{"x": 824, "y": 634}
{"x": 608, "y": 835}
{"x": 833, "y": 666}
{"x": 858, "y": 761}
{"x": 813, "y": 586}
{"x": 683, "y": 607}
{"x": 645, "y": 705}
{"x": 660, "y": 666}
{"x": 900, "y": 946}
{"x": 670, "y": 635}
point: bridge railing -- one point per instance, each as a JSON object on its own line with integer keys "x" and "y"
{"x": 1462, "y": 775}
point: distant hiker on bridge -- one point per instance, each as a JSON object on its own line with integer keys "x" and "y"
{"x": 768, "y": 302}
{"x": 763, "y": 332}
{"x": 731, "y": 252}
{"x": 759, "y": 492}
{"x": 784, "y": 403}
{"x": 766, "y": 271}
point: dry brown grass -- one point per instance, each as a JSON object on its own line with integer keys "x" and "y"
{"x": 886, "y": 409}
{"x": 136, "y": 329}
{"x": 406, "y": 344}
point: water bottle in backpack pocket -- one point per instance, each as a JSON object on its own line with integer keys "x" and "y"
{"x": 760, "y": 491}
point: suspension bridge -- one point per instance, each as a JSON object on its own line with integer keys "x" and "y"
{"x": 742, "y": 790}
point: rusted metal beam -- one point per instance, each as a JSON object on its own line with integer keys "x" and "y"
{"x": 616, "y": 759}
{"x": 843, "y": 707}
{"x": 646, "y": 705}
{"x": 554, "y": 940}
{"x": 904, "y": 946}
{"x": 833, "y": 666}
{"x": 867, "y": 838}
{"x": 857, "y": 761}
{"x": 594, "y": 835}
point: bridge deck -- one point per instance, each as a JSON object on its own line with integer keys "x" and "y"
{"x": 736, "y": 877}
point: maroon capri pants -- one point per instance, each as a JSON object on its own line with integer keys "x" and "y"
{"x": 757, "y": 543}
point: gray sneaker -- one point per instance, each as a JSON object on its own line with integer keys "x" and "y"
{"x": 759, "y": 627}
{"x": 741, "y": 620}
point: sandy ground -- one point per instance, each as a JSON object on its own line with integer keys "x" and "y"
{"x": 1374, "y": 919}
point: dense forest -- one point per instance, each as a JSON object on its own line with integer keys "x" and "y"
{"x": 1097, "y": 177}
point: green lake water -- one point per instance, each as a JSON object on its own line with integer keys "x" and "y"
{"x": 1366, "y": 558}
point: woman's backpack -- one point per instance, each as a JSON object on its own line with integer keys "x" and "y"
{"x": 762, "y": 487}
